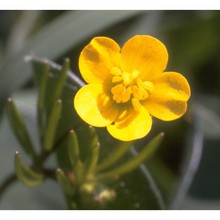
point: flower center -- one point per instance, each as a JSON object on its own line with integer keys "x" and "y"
{"x": 128, "y": 86}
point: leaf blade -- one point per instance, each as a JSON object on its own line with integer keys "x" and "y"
{"x": 52, "y": 125}
{"x": 19, "y": 128}
{"x": 135, "y": 162}
{"x": 25, "y": 174}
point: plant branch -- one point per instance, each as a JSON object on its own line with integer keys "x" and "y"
{"x": 11, "y": 179}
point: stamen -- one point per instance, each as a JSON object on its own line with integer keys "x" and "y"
{"x": 135, "y": 74}
{"x": 130, "y": 87}
{"x": 136, "y": 104}
{"x": 118, "y": 88}
{"x": 116, "y": 79}
{"x": 126, "y": 95}
{"x": 117, "y": 92}
{"x": 136, "y": 92}
{"x": 116, "y": 71}
{"x": 143, "y": 93}
{"x": 148, "y": 85}
{"x": 126, "y": 78}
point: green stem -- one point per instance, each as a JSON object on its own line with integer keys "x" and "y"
{"x": 11, "y": 179}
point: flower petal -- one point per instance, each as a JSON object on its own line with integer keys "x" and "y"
{"x": 98, "y": 58}
{"x": 169, "y": 96}
{"x": 134, "y": 125}
{"x": 94, "y": 106}
{"x": 145, "y": 54}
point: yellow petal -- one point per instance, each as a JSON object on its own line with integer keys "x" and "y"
{"x": 94, "y": 106}
{"x": 145, "y": 54}
{"x": 98, "y": 58}
{"x": 134, "y": 125}
{"x": 168, "y": 100}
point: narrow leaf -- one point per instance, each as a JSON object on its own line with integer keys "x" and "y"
{"x": 41, "y": 99}
{"x": 120, "y": 150}
{"x": 25, "y": 174}
{"x": 73, "y": 148}
{"x": 74, "y": 156}
{"x": 93, "y": 154}
{"x": 52, "y": 125}
{"x": 64, "y": 182}
{"x": 19, "y": 128}
{"x": 60, "y": 81}
{"x": 132, "y": 164}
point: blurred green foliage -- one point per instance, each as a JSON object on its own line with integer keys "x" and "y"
{"x": 185, "y": 169}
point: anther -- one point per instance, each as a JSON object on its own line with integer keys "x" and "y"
{"x": 116, "y": 71}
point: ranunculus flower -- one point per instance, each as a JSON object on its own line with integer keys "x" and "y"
{"x": 127, "y": 86}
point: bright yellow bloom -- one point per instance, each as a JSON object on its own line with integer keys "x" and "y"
{"x": 127, "y": 86}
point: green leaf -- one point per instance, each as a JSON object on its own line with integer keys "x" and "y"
{"x": 93, "y": 151}
{"x": 132, "y": 164}
{"x": 73, "y": 147}
{"x": 114, "y": 156}
{"x": 55, "y": 85}
{"x": 58, "y": 88}
{"x": 25, "y": 174}
{"x": 54, "y": 40}
{"x": 19, "y": 128}
{"x": 66, "y": 93}
{"x": 52, "y": 125}
{"x": 43, "y": 78}
{"x": 64, "y": 182}
{"x": 87, "y": 146}
{"x": 74, "y": 156}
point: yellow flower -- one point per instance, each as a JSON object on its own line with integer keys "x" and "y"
{"x": 127, "y": 86}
